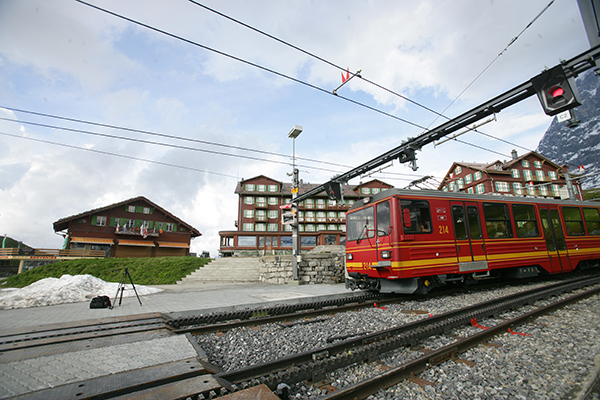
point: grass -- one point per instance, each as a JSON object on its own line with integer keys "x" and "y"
{"x": 591, "y": 194}
{"x": 143, "y": 271}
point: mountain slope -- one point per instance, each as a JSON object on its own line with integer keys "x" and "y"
{"x": 580, "y": 145}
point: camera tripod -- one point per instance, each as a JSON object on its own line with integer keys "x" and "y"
{"x": 121, "y": 288}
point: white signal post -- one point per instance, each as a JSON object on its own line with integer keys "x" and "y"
{"x": 296, "y": 130}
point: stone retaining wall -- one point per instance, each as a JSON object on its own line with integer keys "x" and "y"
{"x": 324, "y": 264}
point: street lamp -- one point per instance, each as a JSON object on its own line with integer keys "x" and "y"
{"x": 296, "y": 130}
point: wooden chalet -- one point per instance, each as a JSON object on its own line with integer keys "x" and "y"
{"x": 132, "y": 228}
{"x": 530, "y": 175}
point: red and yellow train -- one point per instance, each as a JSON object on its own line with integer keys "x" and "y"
{"x": 408, "y": 241}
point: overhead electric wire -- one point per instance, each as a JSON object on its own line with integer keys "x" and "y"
{"x": 117, "y": 155}
{"x": 159, "y": 143}
{"x": 374, "y": 83}
{"x": 173, "y": 137}
{"x": 280, "y": 74}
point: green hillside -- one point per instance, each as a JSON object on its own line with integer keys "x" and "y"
{"x": 143, "y": 271}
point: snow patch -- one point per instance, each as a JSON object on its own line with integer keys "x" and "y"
{"x": 66, "y": 289}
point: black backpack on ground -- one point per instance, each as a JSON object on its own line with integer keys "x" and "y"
{"x": 100, "y": 302}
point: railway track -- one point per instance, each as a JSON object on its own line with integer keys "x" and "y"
{"x": 195, "y": 377}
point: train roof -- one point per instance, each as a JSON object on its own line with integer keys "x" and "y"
{"x": 437, "y": 194}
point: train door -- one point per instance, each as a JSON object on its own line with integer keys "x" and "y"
{"x": 470, "y": 247}
{"x": 384, "y": 233}
{"x": 555, "y": 239}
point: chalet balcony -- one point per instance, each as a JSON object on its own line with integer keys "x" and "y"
{"x": 136, "y": 232}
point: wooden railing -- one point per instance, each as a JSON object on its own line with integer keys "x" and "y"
{"x": 52, "y": 253}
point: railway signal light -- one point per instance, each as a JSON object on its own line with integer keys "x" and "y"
{"x": 289, "y": 218}
{"x": 556, "y": 92}
{"x": 333, "y": 190}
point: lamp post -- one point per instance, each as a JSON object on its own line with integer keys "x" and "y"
{"x": 296, "y": 130}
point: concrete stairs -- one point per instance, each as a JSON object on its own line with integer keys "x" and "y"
{"x": 225, "y": 270}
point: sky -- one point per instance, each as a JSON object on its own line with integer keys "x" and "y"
{"x": 207, "y": 101}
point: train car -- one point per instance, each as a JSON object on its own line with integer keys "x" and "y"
{"x": 410, "y": 241}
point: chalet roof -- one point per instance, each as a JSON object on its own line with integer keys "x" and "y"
{"x": 63, "y": 223}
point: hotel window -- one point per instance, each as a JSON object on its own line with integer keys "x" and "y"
{"x": 146, "y": 210}
{"x": 342, "y": 215}
{"x": 544, "y": 190}
{"x": 332, "y": 227}
{"x": 502, "y": 187}
{"x": 168, "y": 226}
{"x": 537, "y": 164}
{"x": 249, "y": 188}
{"x": 261, "y": 188}
{"x": 261, "y": 215}
{"x": 321, "y": 216}
{"x": 248, "y": 213}
{"x": 331, "y": 203}
{"x": 525, "y": 163}
{"x": 287, "y": 228}
{"x": 477, "y": 175}
{"x": 100, "y": 221}
{"x": 300, "y": 227}
{"x": 130, "y": 224}
{"x": 273, "y": 201}
{"x": 527, "y": 175}
{"x": 556, "y": 190}
{"x": 320, "y": 203}
{"x": 375, "y": 190}
{"x": 248, "y": 200}
{"x": 249, "y": 227}
{"x": 468, "y": 179}
{"x": 273, "y": 188}
{"x": 310, "y": 216}
{"x": 261, "y": 201}
{"x": 272, "y": 227}
{"x": 365, "y": 191}
{"x": 131, "y": 209}
{"x": 470, "y": 190}
{"x": 540, "y": 175}
{"x": 515, "y": 173}
{"x": 480, "y": 189}
{"x": 310, "y": 203}
{"x": 457, "y": 170}
{"x": 310, "y": 228}
{"x": 261, "y": 227}
{"x": 331, "y": 214}
{"x": 517, "y": 188}
{"x": 273, "y": 214}
{"x": 552, "y": 175}
{"x": 461, "y": 183}
{"x": 531, "y": 190}
{"x": 343, "y": 228}
{"x": 321, "y": 227}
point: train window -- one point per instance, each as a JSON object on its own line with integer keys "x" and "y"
{"x": 497, "y": 220}
{"x": 384, "y": 220}
{"x": 460, "y": 228}
{"x": 573, "y": 221}
{"x": 419, "y": 214}
{"x": 525, "y": 220}
{"x": 474, "y": 226}
{"x": 592, "y": 220}
{"x": 360, "y": 224}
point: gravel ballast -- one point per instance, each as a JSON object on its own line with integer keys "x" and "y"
{"x": 549, "y": 358}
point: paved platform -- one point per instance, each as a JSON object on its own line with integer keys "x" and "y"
{"x": 175, "y": 301}
{"x": 57, "y": 371}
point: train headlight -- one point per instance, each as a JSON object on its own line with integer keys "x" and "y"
{"x": 349, "y": 256}
{"x": 386, "y": 254}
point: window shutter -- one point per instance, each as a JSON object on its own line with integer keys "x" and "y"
{"x": 151, "y": 210}
{"x": 138, "y": 222}
{"x": 139, "y": 209}
{"x": 93, "y": 221}
{"x": 112, "y": 221}
{"x": 151, "y": 223}
{"x": 174, "y": 227}
{"x": 123, "y": 221}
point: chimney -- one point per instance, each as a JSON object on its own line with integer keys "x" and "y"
{"x": 514, "y": 154}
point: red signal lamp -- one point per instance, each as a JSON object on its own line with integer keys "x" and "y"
{"x": 556, "y": 91}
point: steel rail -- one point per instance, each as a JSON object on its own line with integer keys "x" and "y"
{"x": 314, "y": 364}
{"x": 395, "y": 375}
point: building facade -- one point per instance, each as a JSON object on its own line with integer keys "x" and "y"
{"x": 132, "y": 228}
{"x": 529, "y": 175}
{"x": 261, "y": 203}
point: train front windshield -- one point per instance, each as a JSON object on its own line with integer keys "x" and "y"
{"x": 360, "y": 224}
